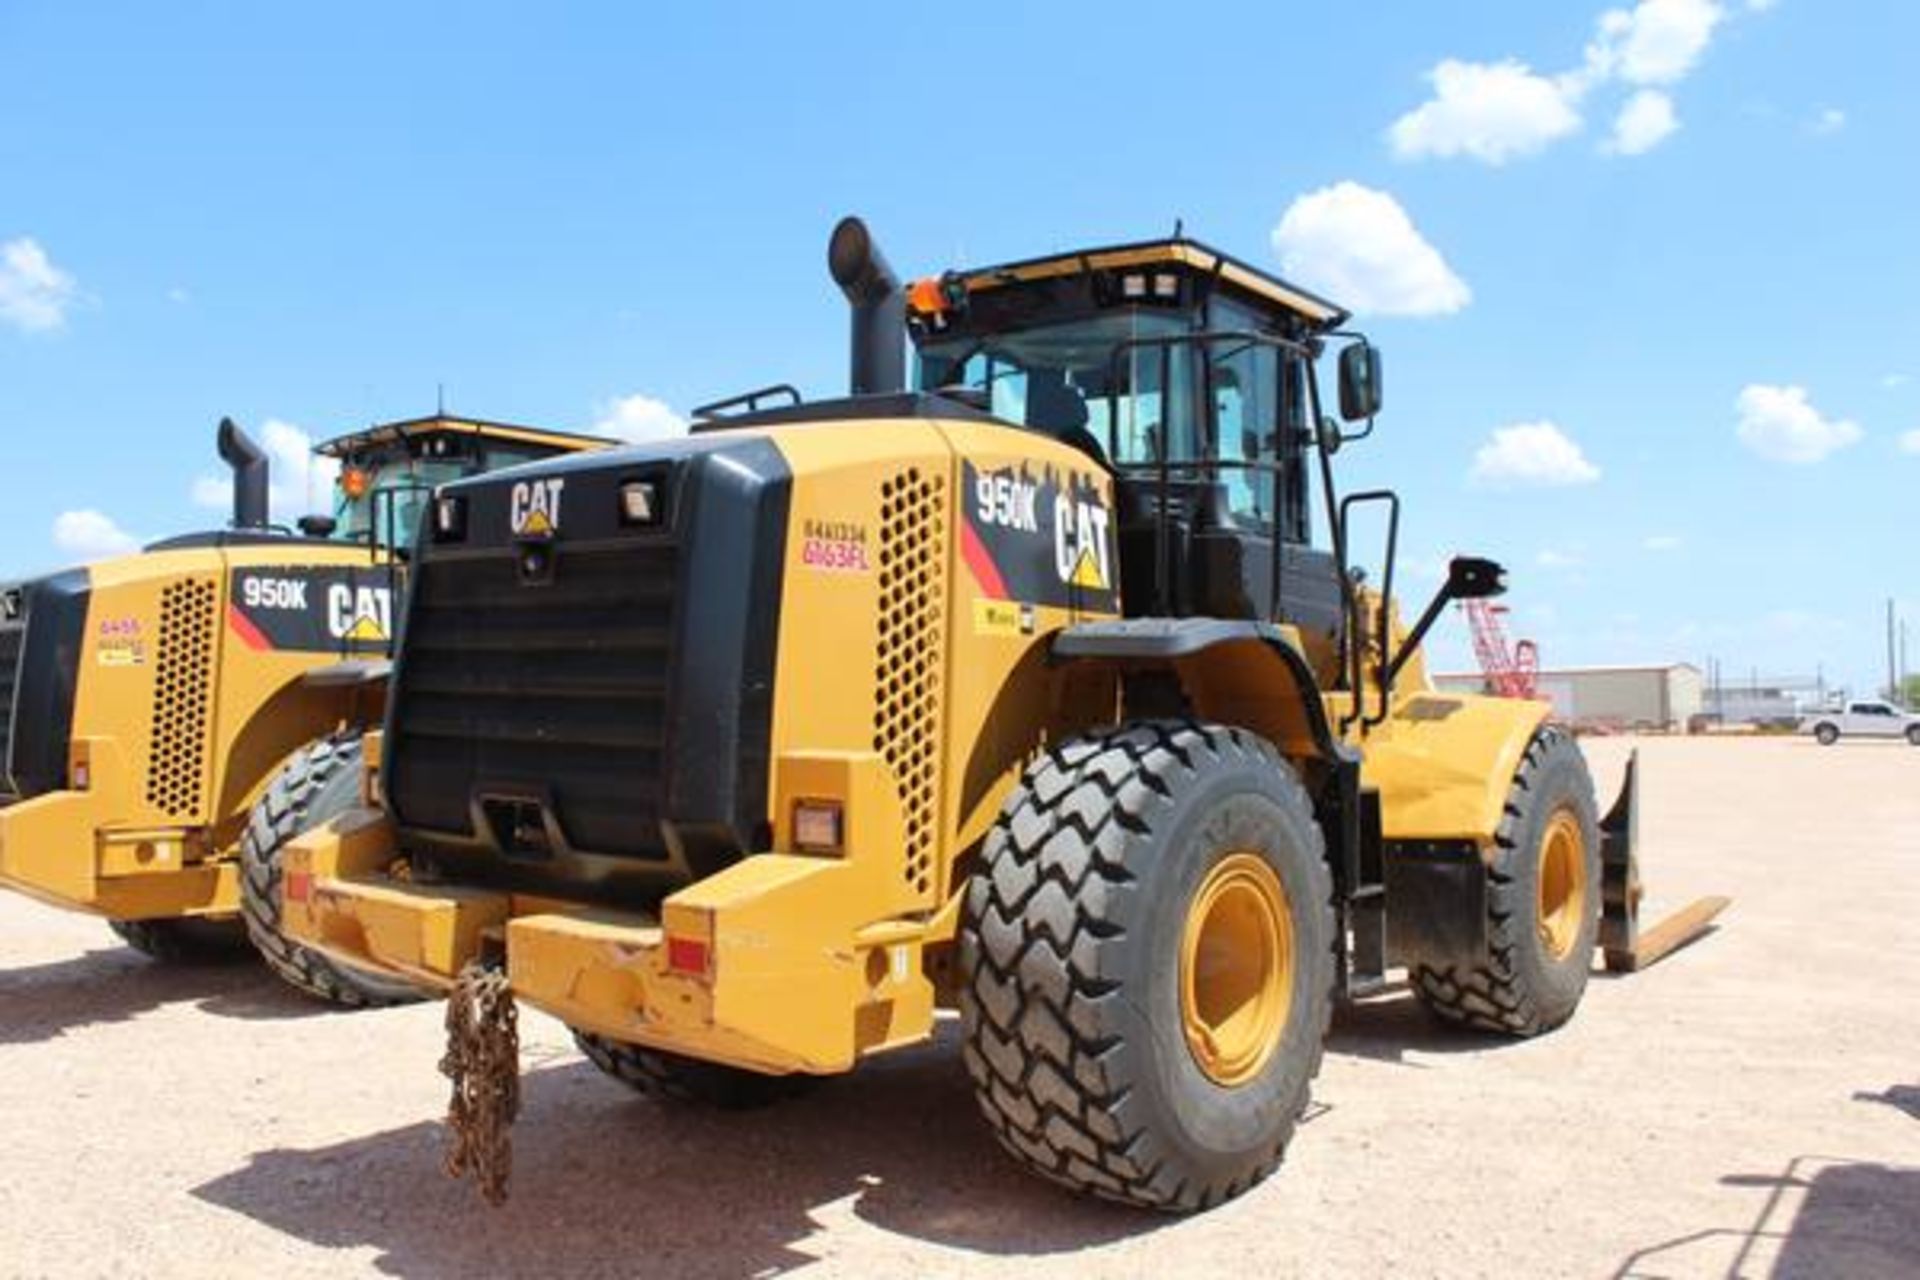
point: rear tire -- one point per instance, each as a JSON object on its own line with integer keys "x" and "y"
{"x": 1913, "y": 735}
{"x": 183, "y": 941}
{"x": 1826, "y": 735}
{"x": 318, "y": 784}
{"x": 673, "y": 1077}
{"x": 1115, "y": 1043}
{"x": 1543, "y": 902}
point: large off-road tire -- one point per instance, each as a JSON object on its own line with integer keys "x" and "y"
{"x": 183, "y": 941}
{"x": 1543, "y": 902}
{"x": 1146, "y": 958}
{"x": 672, "y": 1077}
{"x": 1826, "y": 734}
{"x": 319, "y": 783}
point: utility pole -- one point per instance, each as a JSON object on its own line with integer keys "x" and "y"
{"x": 1906, "y": 672}
{"x": 1893, "y": 679}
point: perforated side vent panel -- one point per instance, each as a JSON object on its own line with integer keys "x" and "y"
{"x": 906, "y": 724}
{"x": 180, "y": 698}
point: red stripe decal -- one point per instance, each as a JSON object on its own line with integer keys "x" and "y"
{"x": 243, "y": 627}
{"x": 975, "y": 553}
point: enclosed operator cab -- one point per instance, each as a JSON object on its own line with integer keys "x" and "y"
{"x": 1188, "y": 375}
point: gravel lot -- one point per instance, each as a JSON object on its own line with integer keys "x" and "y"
{"x": 1749, "y": 1107}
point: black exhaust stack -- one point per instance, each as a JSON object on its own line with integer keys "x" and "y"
{"x": 879, "y": 337}
{"x": 249, "y": 476}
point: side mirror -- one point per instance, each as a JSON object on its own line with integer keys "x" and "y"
{"x": 1330, "y": 438}
{"x": 318, "y": 526}
{"x": 1471, "y": 578}
{"x": 1359, "y": 381}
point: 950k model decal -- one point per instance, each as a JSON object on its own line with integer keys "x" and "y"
{"x": 303, "y": 610}
{"x": 1044, "y": 538}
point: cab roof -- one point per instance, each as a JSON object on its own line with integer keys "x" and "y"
{"x": 1262, "y": 288}
{"x": 383, "y": 434}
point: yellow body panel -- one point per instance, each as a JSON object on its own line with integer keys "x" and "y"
{"x": 1444, "y": 762}
{"x": 179, "y": 721}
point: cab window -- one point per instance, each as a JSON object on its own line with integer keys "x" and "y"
{"x": 1259, "y": 412}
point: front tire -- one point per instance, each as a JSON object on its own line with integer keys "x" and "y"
{"x": 1146, "y": 956}
{"x": 673, "y": 1077}
{"x": 320, "y": 782}
{"x": 1543, "y": 902}
{"x": 1913, "y": 735}
{"x": 1826, "y": 735}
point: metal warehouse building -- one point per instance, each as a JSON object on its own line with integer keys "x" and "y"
{"x": 1622, "y": 697}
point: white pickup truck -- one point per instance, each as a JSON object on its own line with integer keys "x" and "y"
{"x": 1862, "y": 720}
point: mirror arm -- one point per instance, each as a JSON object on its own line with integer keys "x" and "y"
{"x": 1441, "y": 599}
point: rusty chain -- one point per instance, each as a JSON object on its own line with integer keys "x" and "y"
{"x": 483, "y": 1062}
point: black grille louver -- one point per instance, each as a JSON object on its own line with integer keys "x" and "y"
{"x": 600, "y": 728}
{"x": 559, "y": 689}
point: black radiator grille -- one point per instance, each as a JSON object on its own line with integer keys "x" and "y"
{"x": 13, "y": 638}
{"x": 558, "y": 689}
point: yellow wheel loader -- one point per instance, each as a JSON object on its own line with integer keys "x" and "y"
{"x": 146, "y": 700}
{"x": 1016, "y": 688}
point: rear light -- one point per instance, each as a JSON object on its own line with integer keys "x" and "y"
{"x": 299, "y": 886}
{"x": 819, "y": 826}
{"x": 690, "y": 957}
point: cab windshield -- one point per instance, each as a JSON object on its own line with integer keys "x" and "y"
{"x": 383, "y": 505}
{"x": 1059, "y": 379}
{"x": 1115, "y": 378}
{"x": 380, "y": 497}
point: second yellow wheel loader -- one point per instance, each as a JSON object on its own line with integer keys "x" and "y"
{"x": 145, "y": 700}
{"x": 1022, "y": 691}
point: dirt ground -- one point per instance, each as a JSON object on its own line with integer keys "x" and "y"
{"x": 1751, "y": 1107}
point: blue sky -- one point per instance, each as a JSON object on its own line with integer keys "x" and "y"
{"x": 1644, "y": 277}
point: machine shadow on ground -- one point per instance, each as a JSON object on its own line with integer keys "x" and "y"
{"x": 114, "y": 984}
{"x": 1387, "y": 1026}
{"x": 604, "y": 1182}
{"x": 1821, "y": 1216}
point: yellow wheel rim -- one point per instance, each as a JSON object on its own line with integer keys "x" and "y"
{"x": 1562, "y": 884}
{"x": 1236, "y": 969}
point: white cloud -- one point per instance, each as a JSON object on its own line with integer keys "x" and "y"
{"x": 1893, "y": 380}
{"x": 1532, "y": 454}
{"x": 1359, "y": 247}
{"x": 1500, "y": 111}
{"x": 297, "y": 481}
{"x": 1661, "y": 542}
{"x": 1910, "y": 441}
{"x": 1492, "y": 111}
{"x": 1655, "y": 42}
{"x": 90, "y": 535}
{"x": 34, "y": 294}
{"x": 1780, "y": 423}
{"x": 1830, "y": 120}
{"x": 1643, "y": 124}
{"x": 639, "y": 418}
